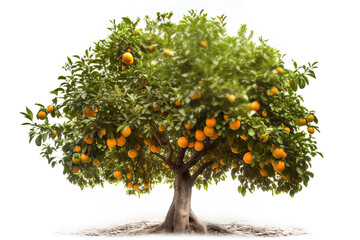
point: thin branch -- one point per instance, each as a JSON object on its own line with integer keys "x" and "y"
{"x": 197, "y": 156}
{"x": 167, "y": 160}
{"x": 201, "y": 169}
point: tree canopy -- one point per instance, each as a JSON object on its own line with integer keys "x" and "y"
{"x": 143, "y": 101}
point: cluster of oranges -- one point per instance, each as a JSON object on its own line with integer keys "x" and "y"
{"x": 303, "y": 121}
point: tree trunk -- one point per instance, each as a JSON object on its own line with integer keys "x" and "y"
{"x": 180, "y": 218}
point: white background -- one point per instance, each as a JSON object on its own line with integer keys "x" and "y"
{"x": 35, "y": 38}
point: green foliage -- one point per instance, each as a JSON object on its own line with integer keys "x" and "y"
{"x": 203, "y": 59}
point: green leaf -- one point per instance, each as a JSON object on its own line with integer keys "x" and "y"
{"x": 38, "y": 140}
{"x": 127, "y": 20}
{"x": 30, "y": 114}
{"x": 251, "y": 132}
{"x": 299, "y": 171}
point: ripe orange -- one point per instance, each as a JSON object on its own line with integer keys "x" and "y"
{"x": 111, "y": 142}
{"x": 226, "y": 117}
{"x": 129, "y": 50}
{"x": 117, "y": 174}
{"x": 255, "y": 106}
{"x": 137, "y": 31}
{"x": 103, "y": 132}
{"x": 137, "y": 147}
{"x": 126, "y": 132}
{"x": 199, "y": 145}
{"x": 222, "y": 162}
{"x": 234, "y": 125}
{"x": 233, "y": 165}
{"x": 244, "y": 137}
{"x": 154, "y": 148}
{"x": 287, "y": 129}
{"x": 278, "y": 153}
{"x": 203, "y": 44}
{"x": 247, "y": 158}
{"x": 209, "y": 131}
{"x": 151, "y": 48}
{"x": 191, "y": 144}
{"x": 120, "y": 141}
{"x": 96, "y": 162}
{"x": 196, "y": 95}
{"x": 147, "y": 141}
{"x": 90, "y": 112}
{"x": 234, "y": 150}
{"x": 214, "y": 165}
{"x": 279, "y": 167}
{"x": 210, "y": 122}
{"x": 217, "y": 170}
{"x": 75, "y": 169}
{"x": 42, "y": 115}
{"x": 310, "y": 118}
{"x": 178, "y": 102}
{"x": 263, "y": 172}
{"x": 76, "y": 160}
{"x": 50, "y": 109}
{"x": 279, "y": 70}
{"x": 301, "y": 122}
{"x": 168, "y": 53}
{"x": 89, "y": 140}
{"x": 187, "y": 126}
{"x": 188, "y": 132}
{"x": 132, "y": 153}
{"x": 129, "y": 175}
{"x": 146, "y": 186}
{"x": 161, "y": 128}
{"x": 142, "y": 84}
{"x": 54, "y": 134}
{"x": 264, "y": 138}
{"x": 199, "y": 135}
{"x": 85, "y": 158}
{"x": 231, "y": 98}
{"x": 130, "y": 185}
{"x": 77, "y": 149}
{"x": 274, "y": 90}
{"x": 215, "y": 136}
{"x": 311, "y": 130}
{"x": 270, "y": 93}
{"x": 183, "y": 142}
{"x": 136, "y": 187}
{"x": 127, "y": 58}
{"x": 264, "y": 113}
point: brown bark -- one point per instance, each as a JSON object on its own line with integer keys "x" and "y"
{"x": 180, "y": 218}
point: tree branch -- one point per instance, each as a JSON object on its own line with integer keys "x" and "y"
{"x": 167, "y": 160}
{"x": 201, "y": 169}
{"x": 197, "y": 156}
{"x": 180, "y": 157}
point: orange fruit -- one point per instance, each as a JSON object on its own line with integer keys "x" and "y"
{"x": 191, "y": 144}
{"x": 222, "y": 162}
{"x": 187, "y": 126}
{"x": 129, "y": 175}
{"x": 234, "y": 125}
{"x": 151, "y": 48}
{"x": 54, "y": 134}
{"x": 183, "y": 142}
{"x": 198, "y": 145}
{"x": 231, "y": 98}
{"x": 263, "y": 172}
{"x": 85, "y": 158}
{"x": 50, "y": 109}
{"x": 126, "y": 132}
{"x": 42, "y": 115}
{"x": 168, "y": 53}
{"x": 274, "y": 90}
{"x": 120, "y": 141}
{"x": 132, "y": 153}
{"x": 89, "y": 140}
{"x": 247, "y": 158}
{"x": 311, "y": 130}
{"x": 287, "y": 129}
{"x": 146, "y": 186}
{"x": 129, "y": 185}
{"x": 209, "y": 131}
{"x": 136, "y": 187}
{"x": 234, "y": 150}
{"x": 90, "y": 112}
{"x": 161, "y": 128}
{"x": 301, "y": 122}
{"x": 264, "y": 113}
{"x": 137, "y": 31}
{"x": 188, "y": 132}
{"x": 127, "y": 58}
{"x": 196, "y": 95}
{"x": 117, "y": 174}
{"x": 270, "y": 94}
{"x": 77, "y": 149}
{"x": 226, "y": 117}
{"x": 103, "y": 132}
{"x": 278, "y": 153}
{"x": 147, "y": 141}
{"x": 129, "y": 50}
{"x": 255, "y": 106}
{"x": 76, "y": 160}
{"x": 210, "y": 122}
{"x": 217, "y": 170}
{"x": 244, "y": 137}
{"x": 137, "y": 147}
{"x": 155, "y": 149}
{"x": 264, "y": 138}
{"x": 96, "y": 162}
{"x": 75, "y": 169}
{"x": 111, "y": 143}
{"x": 279, "y": 70}
{"x": 214, "y": 165}
{"x": 199, "y": 135}
{"x": 178, "y": 102}
{"x": 142, "y": 84}
{"x": 310, "y": 118}
{"x": 215, "y": 136}
{"x": 279, "y": 167}
{"x": 233, "y": 165}
{"x": 203, "y": 44}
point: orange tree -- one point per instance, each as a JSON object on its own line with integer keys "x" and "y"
{"x": 182, "y": 103}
